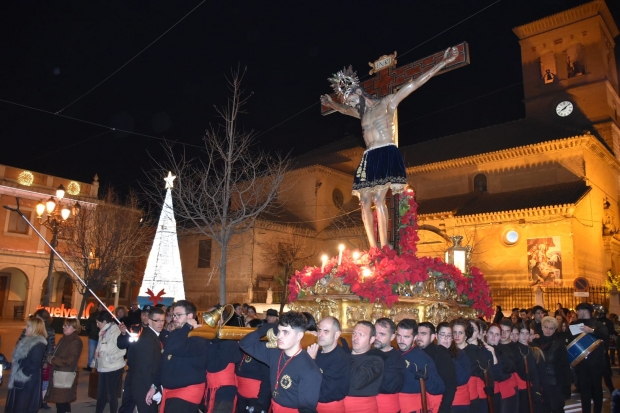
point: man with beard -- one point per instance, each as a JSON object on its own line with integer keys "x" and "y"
{"x": 295, "y": 378}
{"x": 334, "y": 364}
{"x": 418, "y": 366}
{"x": 590, "y": 370}
{"x": 425, "y": 339}
{"x": 366, "y": 371}
{"x": 381, "y": 166}
{"x": 143, "y": 360}
{"x": 393, "y": 366}
{"x": 181, "y": 375}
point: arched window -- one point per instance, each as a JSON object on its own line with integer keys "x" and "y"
{"x": 480, "y": 183}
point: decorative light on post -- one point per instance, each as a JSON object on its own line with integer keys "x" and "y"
{"x": 55, "y": 220}
{"x": 457, "y": 254}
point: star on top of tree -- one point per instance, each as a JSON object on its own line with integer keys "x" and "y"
{"x": 169, "y": 180}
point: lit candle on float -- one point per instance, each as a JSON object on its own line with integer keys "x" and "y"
{"x": 341, "y": 249}
{"x": 366, "y": 272}
{"x": 323, "y": 262}
{"x": 356, "y": 256}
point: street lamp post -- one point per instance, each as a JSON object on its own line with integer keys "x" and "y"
{"x": 55, "y": 221}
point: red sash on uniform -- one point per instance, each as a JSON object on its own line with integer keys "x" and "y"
{"x": 331, "y": 407}
{"x": 506, "y": 388}
{"x": 389, "y": 403}
{"x": 366, "y": 404}
{"x": 410, "y": 402}
{"x": 222, "y": 378}
{"x": 461, "y": 397}
{"x": 472, "y": 385}
{"x": 247, "y": 387}
{"x": 433, "y": 400}
{"x": 521, "y": 385}
{"x": 192, "y": 394}
{"x": 276, "y": 408}
{"x": 480, "y": 386}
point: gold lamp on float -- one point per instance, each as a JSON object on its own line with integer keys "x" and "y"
{"x": 457, "y": 254}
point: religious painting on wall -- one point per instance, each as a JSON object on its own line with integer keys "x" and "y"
{"x": 544, "y": 257}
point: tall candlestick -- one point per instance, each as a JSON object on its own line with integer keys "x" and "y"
{"x": 323, "y": 262}
{"x": 340, "y": 248}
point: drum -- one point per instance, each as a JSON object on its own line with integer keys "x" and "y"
{"x": 581, "y": 347}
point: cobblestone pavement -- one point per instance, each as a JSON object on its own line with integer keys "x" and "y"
{"x": 10, "y": 331}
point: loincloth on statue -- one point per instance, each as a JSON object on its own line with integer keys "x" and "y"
{"x": 380, "y": 167}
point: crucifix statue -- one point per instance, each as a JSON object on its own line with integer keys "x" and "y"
{"x": 382, "y": 166}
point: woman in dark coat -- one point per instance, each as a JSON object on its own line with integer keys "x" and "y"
{"x": 65, "y": 358}
{"x": 558, "y": 373}
{"x": 25, "y": 381}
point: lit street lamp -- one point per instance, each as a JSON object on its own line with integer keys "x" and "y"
{"x": 55, "y": 221}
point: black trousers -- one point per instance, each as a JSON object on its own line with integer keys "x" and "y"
{"x": 175, "y": 405}
{"x": 107, "y": 390}
{"x": 63, "y": 407}
{"x": 127, "y": 402}
{"x": 589, "y": 377}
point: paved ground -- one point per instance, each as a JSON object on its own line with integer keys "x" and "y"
{"x": 10, "y": 331}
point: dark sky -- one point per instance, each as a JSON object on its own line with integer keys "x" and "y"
{"x": 55, "y": 51}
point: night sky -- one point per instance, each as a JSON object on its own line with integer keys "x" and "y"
{"x": 53, "y": 52}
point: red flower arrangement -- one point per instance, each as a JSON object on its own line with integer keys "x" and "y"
{"x": 390, "y": 270}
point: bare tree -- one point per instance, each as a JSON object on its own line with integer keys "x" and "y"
{"x": 106, "y": 243}
{"x": 291, "y": 251}
{"x": 222, "y": 193}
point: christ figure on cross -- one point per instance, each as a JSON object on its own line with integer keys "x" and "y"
{"x": 382, "y": 166}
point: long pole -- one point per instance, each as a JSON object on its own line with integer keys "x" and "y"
{"x": 487, "y": 385}
{"x": 422, "y": 390}
{"x": 527, "y": 380}
{"x": 47, "y": 300}
{"x": 60, "y": 257}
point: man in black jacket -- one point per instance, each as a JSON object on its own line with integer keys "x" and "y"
{"x": 589, "y": 371}
{"x": 334, "y": 363}
{"x": 183, "y": 365}
{"x": 394, "y": 366}
{"x": 143, "y": 360}
{"x": 445, "y": 367}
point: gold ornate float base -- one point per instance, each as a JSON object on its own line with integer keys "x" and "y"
{"x": 349, "y": 309}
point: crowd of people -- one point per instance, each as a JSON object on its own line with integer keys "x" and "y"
{"x": 518, "y": 363}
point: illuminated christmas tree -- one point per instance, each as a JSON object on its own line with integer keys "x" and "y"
{"x": 163, "y": 277}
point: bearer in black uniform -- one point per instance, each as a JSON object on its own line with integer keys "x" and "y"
{"x": 253, "y": 385}
{"x": 295, "y": 378}
{"x": 334, "y": 364}
{"x": 394, "y": 366}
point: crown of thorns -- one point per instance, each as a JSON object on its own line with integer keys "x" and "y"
{"x": 344, "y": 82}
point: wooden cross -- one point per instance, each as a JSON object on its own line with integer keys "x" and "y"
{"x": 389, "y": 80}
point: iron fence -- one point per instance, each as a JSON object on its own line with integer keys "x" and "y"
{"x": 524, "y": 297}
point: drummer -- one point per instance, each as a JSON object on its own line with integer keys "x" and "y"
{"x": 590, "y": 370}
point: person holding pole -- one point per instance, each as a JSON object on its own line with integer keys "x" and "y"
{"x": 421, "y": 374}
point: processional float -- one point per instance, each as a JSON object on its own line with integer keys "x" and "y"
{"x": 383, "y": 282}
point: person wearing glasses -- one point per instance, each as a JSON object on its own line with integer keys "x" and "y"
{"x": 181, "y": 377}
{"x": 425, "y": 339}
{"x": 461, "y": 403}
{"x": 143, "y": 360}
{"x": 65, "y": 358}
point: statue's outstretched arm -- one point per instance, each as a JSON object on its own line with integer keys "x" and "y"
{"x": 448, "y": 57}
{"x": 344, "y": 109}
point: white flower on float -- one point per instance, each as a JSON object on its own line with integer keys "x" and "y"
{"x": 366, "y": 272}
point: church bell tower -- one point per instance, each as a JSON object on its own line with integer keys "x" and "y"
{"x": 569, "y": 70}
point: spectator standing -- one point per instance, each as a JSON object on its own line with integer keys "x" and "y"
{"x": 92, "y": 330}
{"x": 26, "y": 367}
{"x": 65, "y": 359}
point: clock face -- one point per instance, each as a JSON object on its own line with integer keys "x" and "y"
{"x": 564, "y": 108}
